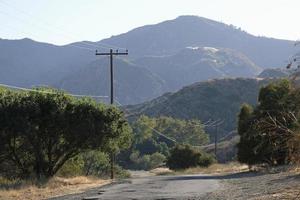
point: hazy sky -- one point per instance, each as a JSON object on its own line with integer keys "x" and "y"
{"x": 65, "y": 21}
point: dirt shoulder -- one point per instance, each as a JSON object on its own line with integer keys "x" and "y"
{"x": 55, "y": 187}
{"x": 258, "y": 186}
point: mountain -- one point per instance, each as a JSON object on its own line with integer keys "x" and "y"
{"x": 159, "y": 59}
{"x": 149, "y": 77}
{"x": 194, "y": 64}
{"x": 213, "y": 100}
{"x": 170, "y": 36}
{"x": 26, "y": 62}
{"x": 133, "y": 84}
{"x": 274, "y": 73}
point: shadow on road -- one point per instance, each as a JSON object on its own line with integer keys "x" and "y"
{"x": 218, "y": 177}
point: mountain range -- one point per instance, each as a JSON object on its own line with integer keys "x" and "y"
{"x": 162, "y": 57}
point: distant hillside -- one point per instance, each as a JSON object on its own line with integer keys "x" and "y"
{"x": 210, "y": 100}
{"x": 274, "y": 73}
{"x": 170, "y": 36}
{"x": 194, "y": 64}
{"x": 133, "y": 84}
{"x": 26, "y": 62}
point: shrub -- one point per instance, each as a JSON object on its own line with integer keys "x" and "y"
{"x": 72, "y": 167}
{"x": 157, "y": 160}
{"x": 147, "y": 162}
{"x": 184, "y": 156}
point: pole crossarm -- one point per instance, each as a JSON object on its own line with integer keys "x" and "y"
{"x": 111, "y": 55}
{"x": 116, "y": 53}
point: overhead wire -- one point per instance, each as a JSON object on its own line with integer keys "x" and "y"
{"x": 62, "y": 32}
{"x": 211, "y": 124}
{"x": 153, "y": 129}
{"x": 18, "y": 31}
{"x": 47, "y": 92}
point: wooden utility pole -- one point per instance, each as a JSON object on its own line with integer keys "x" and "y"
{"x": 219, "y": 122}
{"x": 111, "y": 54}
{"x": 216, "y": 141}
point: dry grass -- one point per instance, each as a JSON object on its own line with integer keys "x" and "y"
{"x": 232, "y": 167}
{"x": 162, "y": 171}
{"x": 55, "y": 187}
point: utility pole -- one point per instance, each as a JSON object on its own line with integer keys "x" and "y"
{"x": 219, "y": 122}
{"x": 216, "y": 141}
{"x": 111, "y": 54}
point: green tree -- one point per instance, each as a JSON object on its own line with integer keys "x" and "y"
{"x": 266, "y": 132}
{"x": 184, "y": 156}
{"x": 39, "y": 132}
{"x": 183, "y": 131}
{"x": 248, "y": 138}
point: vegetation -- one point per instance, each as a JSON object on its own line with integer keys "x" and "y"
{"x": 270, "y": 131}
{"x": 150, "y": 149}
{"x": 147, "y": 162}
{"x": 41, "y": 131}
{"x": 184, "y": 156}
{"x": 91, "y": 163}
{"x": 183, "y": 131}
{"x": 211, "y": 100}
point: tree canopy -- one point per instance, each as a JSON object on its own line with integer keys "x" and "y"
{"x": 40, "y": 131}
{"x": 183, "y": 131}
{"x": 266, "y": 130}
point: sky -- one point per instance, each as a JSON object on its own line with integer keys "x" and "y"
{"x": 65, "y": 21}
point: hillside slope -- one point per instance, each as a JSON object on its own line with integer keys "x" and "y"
{"x": 218, "y": 99}
{"x": 133, "y": 84}
{"x": 26, "y": 62}
{"x": 170, "y": 36}
{"x": 194, "y": 64}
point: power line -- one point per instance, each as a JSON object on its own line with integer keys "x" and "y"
{"x": 153, "y": 129}
{"x": 23, "y": 21}
{"x": 209, "y": 123}
{"x": 111, "y": 46}
{"x": 62, "y": 32}
{"x": 47, "y": 92}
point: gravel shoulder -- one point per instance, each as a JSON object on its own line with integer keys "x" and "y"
{"x": 257, "y": 186}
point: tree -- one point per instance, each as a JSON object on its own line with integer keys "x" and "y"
{"x": 267, "y": 131}
{"x": 183, "y": 131}
{"x": 248, "y": 138}
{"x": 39, "y": 131}
{"x": 184, "y": 156}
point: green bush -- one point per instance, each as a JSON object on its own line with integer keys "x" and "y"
{"x": 91, "y": 163}
{"x": 184, "y": 156}
{"x": 73, "y": 167}
{"x": 121, "y": 173}
{"x": 157, "y": 160}
{"x": 206, "y": 160}
{"x": 147, "y": 162}
{"x": 96, "y": 163}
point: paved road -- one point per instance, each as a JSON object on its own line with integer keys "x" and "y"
{"x": 153, "y": 187}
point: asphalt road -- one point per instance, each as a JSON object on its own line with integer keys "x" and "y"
{"x": 152, "y": 187}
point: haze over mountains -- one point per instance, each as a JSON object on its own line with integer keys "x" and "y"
{"x": 163, "y": 57}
